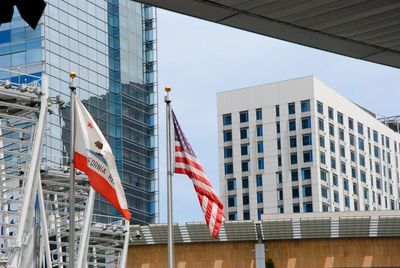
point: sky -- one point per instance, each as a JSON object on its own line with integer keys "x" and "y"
{"x": 199, "y": 58}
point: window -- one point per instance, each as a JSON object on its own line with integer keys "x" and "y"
{"x": 278, "y": 127}
{"x": 324, "y": 192}
{"x": 355, "y": 188}
{"x": 292, "y": 142}
{"x": 305, "y": 174}
{"x": 277, "y": 112}
{"x": 231, "y": 184}
{"x": 378, "y": 184}
{"x": 291, "y": 108}
{"x": 345, "y": 184}
{"x": 279, "y": 193}
{"x": 340, "y": 118}
{"x": 228, "y": 168}
{"x": 245, "y": 166}
{"x": 292, "y": 125}
{"x": 324, "y": 174}
{"x": 232, "y": 216}
{"x": 341, "y": 134}
{"x": 376, "y": 136}
{"x": 352, "y": 156}
{"x": 295, "y": 192}
{"x": 363, "y": 176}
{"x": 306, "y": 122}
{"x": 366, "y": 194}
{"x": 305, "y": 106}
{"x": 260, "y": 211}
{"x": 353, "y": 172}
{"x": 227, "y": 152}
{"x": 260, "y": 198}
{"x": 245, "y": 182}
{"x": 343, "y": 167}
{"x": 325, "y": 207}
{"x": 307, "y": 207}
{"x": 347, "y": 201}
{"x": 362, "y": 160}
{"x": 258, "y": 114}
{"x": 246, "y": 215}
{"x": 244, "y": 149}
{"x": 279, "y": 160}
{"x": 245, "y": 199}
{"x": 293, "y": 159}
{"x": 333, "y": 162}
{"x": 278, "y": 143}
{"x": 361, "y": 144}
{"x": 331, "y": 130}
{"x": 360, "y": 128}
{"x": 336, "y": 196}
{"x": 322, "y": 158}
{"x": 260, "y": 163}
{"x": 351, "y": 123}
{"x": 335, "y": 180}
{"x": 259, "y": 130}
{"x": 377, "y": 168}
{"x": 232, "y": 201}
{"x": 259, "y": 180}
{"x": 307, "y": 190}
{"x": 307, "y": 156}
{"x": 294, "y": 175}
{"x": 227, "y": 119}
{"x": 278, "y": 177}
{"x": 244, "y": 133}
{"x": 307, "y": 139}
{"x": 332, "y": 146}
{"x": 322, "y": 141}
{"x": 351, "y": 139}
{"x": 244, "y": 116}
{"x": 320, "y": 107}
{"x": 296, "y": 208}
{"x": 227, "y": 135}
{"x": 321, "y": 124}
{"x": 355, "y": 205}
{"x": 260, "y": 147}
{"x": 330, "y": 113}
{"x": 342, "y": 151}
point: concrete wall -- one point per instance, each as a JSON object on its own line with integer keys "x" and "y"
{"x": 307, "y": 253}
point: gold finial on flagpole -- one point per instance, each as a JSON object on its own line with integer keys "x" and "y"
{"x": 168, "y": 89}
{"x": 72, "y": 74}
{"x": 72, "y": 85}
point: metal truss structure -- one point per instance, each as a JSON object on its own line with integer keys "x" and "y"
{"x": 34, "y": 218}
{"x": 391, "y": 121}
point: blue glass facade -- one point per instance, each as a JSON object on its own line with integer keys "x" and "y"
{"x": 111, "y": 45}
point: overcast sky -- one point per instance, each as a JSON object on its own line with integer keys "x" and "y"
{"x": 199, "y": 58}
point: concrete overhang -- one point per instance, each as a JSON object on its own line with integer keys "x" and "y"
{"x": 367, "y": 30}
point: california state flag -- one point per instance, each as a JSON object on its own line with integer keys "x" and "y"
{"x": 93, "y": 156}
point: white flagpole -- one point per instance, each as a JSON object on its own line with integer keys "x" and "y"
{"x": 167, "y": 101}
{"x": 71, "y": 260}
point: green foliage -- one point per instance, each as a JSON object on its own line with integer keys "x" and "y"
{"x": 269, "y": 263}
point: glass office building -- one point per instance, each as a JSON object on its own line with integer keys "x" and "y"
{"x": 112, "y": 47}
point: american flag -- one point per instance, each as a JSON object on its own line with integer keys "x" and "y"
{"x": 186, "y": 163}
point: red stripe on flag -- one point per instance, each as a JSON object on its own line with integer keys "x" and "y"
{"x": 187, "y": 161}
{"x": 100, "y": 185}
{"x": 192, "y": 175}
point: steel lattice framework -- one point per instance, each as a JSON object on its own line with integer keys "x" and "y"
{"x": 34, "y": 218}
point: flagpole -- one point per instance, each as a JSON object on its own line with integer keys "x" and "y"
{"x": 167, "y": 101}
{"x": 71, "y": 261}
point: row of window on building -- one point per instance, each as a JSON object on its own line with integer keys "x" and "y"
{"x": 305, "y": 106}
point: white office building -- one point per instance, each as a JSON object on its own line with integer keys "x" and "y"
{"x": 299, "y": 146}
